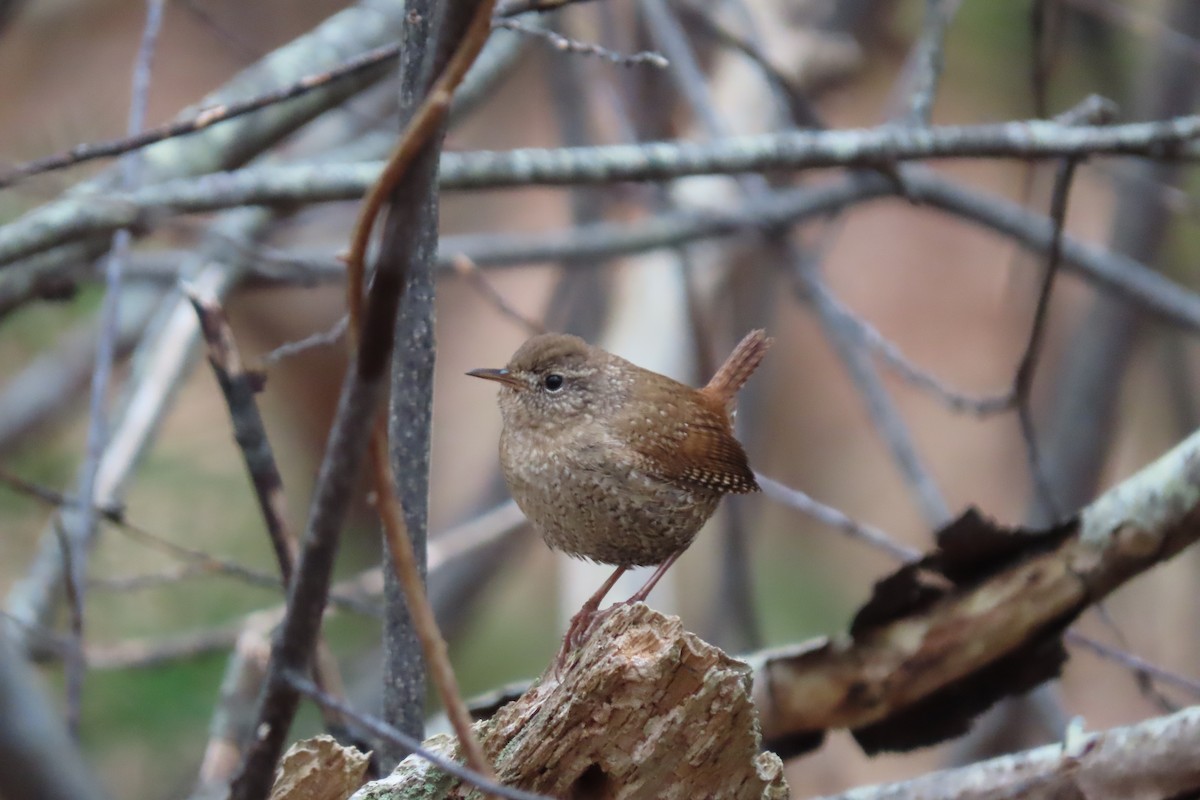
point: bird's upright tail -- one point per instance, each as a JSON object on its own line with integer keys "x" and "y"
{"x": 737, "y": 369}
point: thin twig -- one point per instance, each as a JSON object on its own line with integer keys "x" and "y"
{"x": 239, "y": 388}
{"x": 566, "y": 44}
{"x": 352, "y": 594}
{"x": 848, "y": 343}
{"x": 1045, "y": 33}
{"x": 828, "y": 515}
{"x": 475, "y": 278}
{"x": 382, "y": 730}
{"x": 54, "y": 498}
{"x": 428, "y": 118}
{"x": 404, "y": 563}
{"x": 68, "y": 220}
{"x": 151, "y": 653}
{"x": 79, "y": 538}
{"x": 895, "y": 358}
{"x": 790, "y": 97}
{"x": 1023, "y": 380}
{"x": 1134, "y": 663}
{"x": 245, "y": 49}
{"x": 1143, "y": 678}
{"x": 198, "y": 559}
{"x": 205, "y": 118}
{"x": 924, "y": 68}
{"x": 511, "y": 8}
{"x": 424, "y": 123}
{"x": 73, "y": 656}
{"x": 50, "y": 386}
{"x": 319, "y": 339}
{"x": 352, "y": 429}
{"x": 149, "y": 580}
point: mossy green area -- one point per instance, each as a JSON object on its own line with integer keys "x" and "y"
{"x": 146, "y": 728}
{"x": 798, "y": 593}
{"x": 154, "y": 704}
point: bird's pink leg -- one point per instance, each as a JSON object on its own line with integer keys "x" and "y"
{"x": 589, "y": 616}
{"x": 581, "y": 623}
{"x": 641, "y": 594}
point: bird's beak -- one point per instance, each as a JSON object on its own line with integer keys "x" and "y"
{"x": 499, "y": 375}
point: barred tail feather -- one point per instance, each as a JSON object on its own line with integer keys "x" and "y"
{"x": 737, "y": 369}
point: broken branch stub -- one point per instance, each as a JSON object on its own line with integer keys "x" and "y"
{"x": 645, "y": 709}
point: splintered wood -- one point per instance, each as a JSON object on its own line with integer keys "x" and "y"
{"x": 319, "y": 769}
{"x": 644, "y": 710}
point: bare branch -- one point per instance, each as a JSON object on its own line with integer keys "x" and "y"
{"x": 195, "y": 561}
{"x": 567, "y": 45}
{"x": 408, "y": 573}
{"x": 76, "y": 539}
{"x": 205, "y": 118}
{"x": 1155, "y": 758}
{"x": 319, "y": 339}
{"x": 1023, "y": 380}
{"x": 848, "y": 343}
{"x": 66, "y": 220}
{"x": 239, "y": 388}
{"x": 1134, "y": 663}
{"x": 827, "y": 515}
{"x": 37, "y": 757}
{"x": 853, "y": 682}
{"x": 160, "y": 368}
{"x": 352, "y": 428}
{"x": 924, "y": 67}
{"x": 475, "y": 278}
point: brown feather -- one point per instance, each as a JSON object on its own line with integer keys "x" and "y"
{"x": 699, "y": 450}
{"x": 738, "y": 368}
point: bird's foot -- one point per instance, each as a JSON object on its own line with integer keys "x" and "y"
{"x": 580, "y": 629}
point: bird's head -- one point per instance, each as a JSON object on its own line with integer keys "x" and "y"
{"x": 555, "y": 379}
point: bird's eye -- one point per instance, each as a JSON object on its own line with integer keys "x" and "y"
{"x": 553, "y": 382}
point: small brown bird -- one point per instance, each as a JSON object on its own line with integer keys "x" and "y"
{"x": 614, "y": 463}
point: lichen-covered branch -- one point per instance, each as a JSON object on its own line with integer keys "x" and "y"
{"x": 856, "y": 681}
{"x": 65, "y": 220}
{"x": 1153, "y": 759}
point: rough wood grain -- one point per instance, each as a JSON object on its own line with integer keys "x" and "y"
{"x": 319, "y": 769}
{"x": 645, "y": 710}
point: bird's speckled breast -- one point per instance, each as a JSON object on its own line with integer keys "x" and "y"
{"x": 589, "y": 502}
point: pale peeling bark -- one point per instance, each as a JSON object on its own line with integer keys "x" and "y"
{"x": 645, "y": 710}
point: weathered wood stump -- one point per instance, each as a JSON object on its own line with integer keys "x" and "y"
{"x": 644, "y": 710}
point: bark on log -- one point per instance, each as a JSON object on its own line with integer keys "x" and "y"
{"x": 1155, "y": 759}
{"x": 645, "y": 710}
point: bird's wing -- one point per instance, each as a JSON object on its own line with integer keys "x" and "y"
{"x": 693, "y": 446}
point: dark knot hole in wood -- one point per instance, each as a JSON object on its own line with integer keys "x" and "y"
{"x": 593, "y": 784}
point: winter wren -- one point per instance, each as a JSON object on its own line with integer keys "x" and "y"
{"x": 615, "y": 463}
